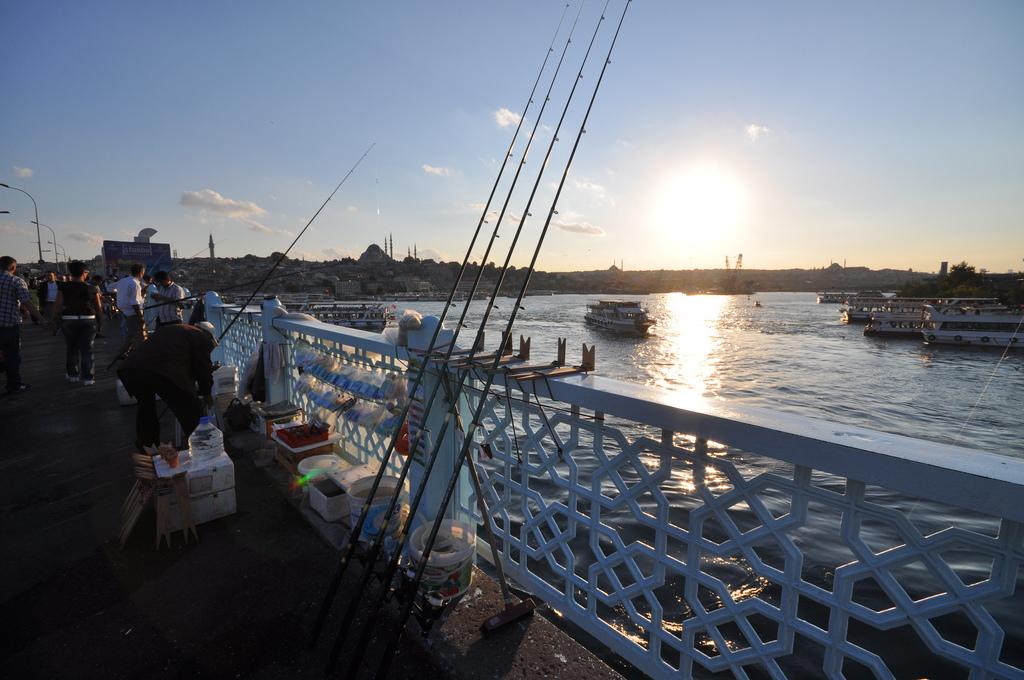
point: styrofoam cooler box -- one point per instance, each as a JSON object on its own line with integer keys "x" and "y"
{"x": 225, "y": 380}
{"x": 328, "y": 499}
{"x": 205, "y": 508}
{"x": 211, "y": 475}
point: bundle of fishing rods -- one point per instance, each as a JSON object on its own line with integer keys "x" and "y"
{"x": 383, "y": 558}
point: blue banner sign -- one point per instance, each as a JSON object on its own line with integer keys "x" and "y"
{"x": 119, "y": 256}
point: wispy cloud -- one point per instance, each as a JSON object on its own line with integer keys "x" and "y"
{"x": 210, "y": 201}
{"x": 755, "y": 131}
{"x": 504, "y": 117}
{"x": 86, "y": 237}
{"x": 592, "y": 187}
{"x": 435, "y": 170}
{"x": 352, "y": 209}
{"x": 11, "y": 228}
{"x": 431, "y": 254}
{"x": 337, "y": 253}
{"x": 572, "y": 222}
{"x": 22, "y": 172}
{"x": 594, "y": 190}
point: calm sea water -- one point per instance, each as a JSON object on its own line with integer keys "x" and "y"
{"x": 795, "y": 355}
{"x": 791, "y": 354}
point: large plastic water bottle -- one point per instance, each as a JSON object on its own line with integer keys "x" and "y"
{"x": 206, "y": 441}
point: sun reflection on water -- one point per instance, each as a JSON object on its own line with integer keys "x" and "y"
{"x": 685, "y": 356}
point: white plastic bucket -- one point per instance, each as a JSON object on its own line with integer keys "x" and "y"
{"x": 357, "y": 495}
{"x": 312, "y": 468}
{"x": 449, "y": 571}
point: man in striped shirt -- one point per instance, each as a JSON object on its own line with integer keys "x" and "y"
{"x": 168, "y": 295}
{"x": 14, "y": 299}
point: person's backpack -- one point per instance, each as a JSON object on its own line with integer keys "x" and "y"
{"x": 238, "y": 415}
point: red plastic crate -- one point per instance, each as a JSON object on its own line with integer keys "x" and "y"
{"x": 300, "y": 435}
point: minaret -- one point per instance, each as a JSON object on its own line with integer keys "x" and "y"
{"x": 211, "y": 247}
{"x": 415, "y": 256}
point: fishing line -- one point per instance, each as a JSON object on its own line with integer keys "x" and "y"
{"x": 294, "y": 241}
{"x": 984, "y": 390}
{"x": 376, "y": 546}
{"x": 391, "y": 648}
{"x": 357, "y": 530}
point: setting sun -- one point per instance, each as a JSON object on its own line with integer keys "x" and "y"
{"x": 700, "y": 203}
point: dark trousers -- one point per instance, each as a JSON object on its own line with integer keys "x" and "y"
{"x": 78, "y": 336}
{"x": 10, "y": 345}
{"x": 134, "y": 334}
{"x": 144, "y": 386}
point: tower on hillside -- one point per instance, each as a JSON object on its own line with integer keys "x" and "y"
{"x": 211, "y": 247}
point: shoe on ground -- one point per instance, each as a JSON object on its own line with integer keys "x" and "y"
{"x": 71, "y": 378}
{"x": 20, "y": 388}
{"x": 88, "y": 382}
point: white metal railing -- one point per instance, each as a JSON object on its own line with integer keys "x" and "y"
{"x": 691, "y": 536}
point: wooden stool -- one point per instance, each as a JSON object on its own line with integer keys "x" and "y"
{"x": 159, "y": 484}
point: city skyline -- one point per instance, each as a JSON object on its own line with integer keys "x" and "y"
{"x": 795, "y": 134}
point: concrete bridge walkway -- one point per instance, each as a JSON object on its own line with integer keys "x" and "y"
{"x": 238, "y": 604}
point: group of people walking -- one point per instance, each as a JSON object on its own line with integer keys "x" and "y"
{"x": 76, "y": 306}
{"x": 167, "y": 358}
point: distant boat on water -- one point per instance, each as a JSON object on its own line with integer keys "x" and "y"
{"x": 626, "y": 317}
{"x": 981, "y": 326}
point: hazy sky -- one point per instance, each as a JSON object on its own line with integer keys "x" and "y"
{"x": 886, "y": 134}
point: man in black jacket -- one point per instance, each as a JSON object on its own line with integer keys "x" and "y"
{"x": 171, "y": 363}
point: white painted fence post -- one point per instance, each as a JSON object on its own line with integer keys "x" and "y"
{"x": 452, "y": 442}
{"x": 274, "y": 351}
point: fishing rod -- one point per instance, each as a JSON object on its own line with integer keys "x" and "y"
{"x": 375, "y": 548}
{"x": 432, "y": 458}
{"x": 391, "y": 648}
{"x": 382, "y": 470}
{"x": 294, "y": 241}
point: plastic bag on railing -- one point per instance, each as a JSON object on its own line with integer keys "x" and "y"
{"x": 252, "y": 381}
{"x": 304, "y": 354}
{"x": 367, "y": 414}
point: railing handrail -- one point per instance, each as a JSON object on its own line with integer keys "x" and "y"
{"x": 349, "y": 336}
{"x": 978, "y": 480}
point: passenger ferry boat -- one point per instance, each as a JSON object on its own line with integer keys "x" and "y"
{"x": 905, "y": 316}
{"x": 369, "y": 316}
{"x": 832, "y": 297}
{"x": 621, "y": 316}
{"x": 976, "y": 326}
{"x": 858, "y": 308}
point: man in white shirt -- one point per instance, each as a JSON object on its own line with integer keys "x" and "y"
{"x": 167, "y": 295}
{"x": 129, "y": 301}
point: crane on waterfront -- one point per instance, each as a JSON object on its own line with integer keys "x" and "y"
{"x": 732, "y": 274}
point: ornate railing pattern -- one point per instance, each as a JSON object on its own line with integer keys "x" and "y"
{"x": 695, "y": 538}
{"x": 684, "y": 555}
{"x": 244, "y": 336}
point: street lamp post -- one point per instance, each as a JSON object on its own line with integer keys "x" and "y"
{"x": 55, "y": 246}
{"x": 64, "y": 253}
{"x": 39, "y": 240}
